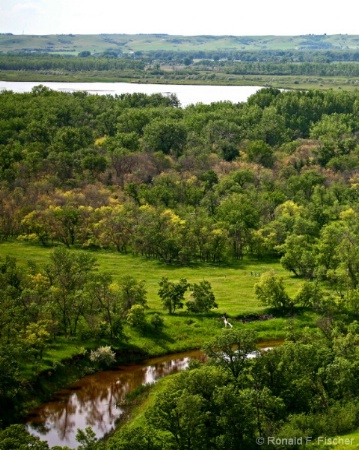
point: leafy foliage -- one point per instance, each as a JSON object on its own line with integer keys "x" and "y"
{"x": 271, "y": 292}
{"x": 103, "y": 356}
{"x": 202, "y": 298}
{"x": 172, "y": 294}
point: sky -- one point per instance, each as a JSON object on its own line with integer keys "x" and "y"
{"x": 180, "y": 17}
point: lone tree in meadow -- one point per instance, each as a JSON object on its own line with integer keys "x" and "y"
{"x": 270, "y": 291}
{"x": 172, "y": 294}
{"x": 202, "y": 298}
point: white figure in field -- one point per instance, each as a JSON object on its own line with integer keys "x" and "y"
{"x": 226, "y": 323}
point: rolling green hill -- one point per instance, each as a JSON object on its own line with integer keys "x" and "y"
{"x": 73, "y": 44}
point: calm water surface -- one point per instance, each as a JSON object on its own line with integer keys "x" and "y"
{"x": 95, "y": 400}
{"x": 187, "y": 94}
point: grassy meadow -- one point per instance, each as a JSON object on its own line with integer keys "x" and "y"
{"x": 232, "y": 284}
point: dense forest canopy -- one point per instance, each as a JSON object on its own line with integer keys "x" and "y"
{"x": 274, "y": 177}
{"x": 139, "y": 173}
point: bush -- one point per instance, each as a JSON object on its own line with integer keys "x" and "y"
{"x": 202, "y": 298}
{"x": 103, "y": 356}
{"x": 270, "y": 292}
{"x": 157, "y": 321}
{"x": 136, "y": 317}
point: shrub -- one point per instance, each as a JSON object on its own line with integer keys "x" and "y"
{"x": 103, "y": 356}
{"x": 136, "y": 317}
{"x": 157, "y": 321}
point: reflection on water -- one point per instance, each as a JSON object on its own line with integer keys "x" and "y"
{"x": 93, "y": 401}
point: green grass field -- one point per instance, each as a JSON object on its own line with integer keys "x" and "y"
{"x": 233, "y": 286}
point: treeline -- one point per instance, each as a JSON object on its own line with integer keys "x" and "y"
{"x": 303, "y": 68}
{"x": 40, "y": 61}
{"x": 246, "y": 63}
{"x": 139, "y": 174}
{"x": 280, "y": 56}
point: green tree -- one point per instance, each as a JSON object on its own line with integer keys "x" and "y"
{"x": 113, "y": 226}
{"x": 309, "y": 295}
{"x": 165, "y": 135}
{"x": 183, "y": 416}
{"x": 138, "y": 438}
{"x": 36, "y": 336}
{"x": 87, "y": 439}
{"x": 105, "y": 299}
{"x": 270, "y": 291}
{"x": 186, "y": 411}
{"x": 230, "y": 350}
{"x": 68, "y": 273}
{"x": 16, "y": 437}
{"x": 10, "y": 381}
{"x": 157, "y": 321}
{"x": 94, "y": 164}
{"x": 240, "y": 217}
{"x": 202, "y": 297}
{"x": 136, "y": 317}
{"x": 158, "y": 233}
{"x": 261, "y": 153}
{"x": 299, "y": 255}
{"x": 84, "y": 54}
{"x": 132, "y": 292}
{"x": 172, "y": 294}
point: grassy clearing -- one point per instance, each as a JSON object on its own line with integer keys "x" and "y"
{"x": 348, "y": 441}
{"x": 232, "y": 284}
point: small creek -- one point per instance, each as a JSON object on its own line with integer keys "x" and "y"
{"x": 93, "y": 400}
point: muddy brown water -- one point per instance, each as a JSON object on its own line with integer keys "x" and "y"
{"x": 95, "y": 400}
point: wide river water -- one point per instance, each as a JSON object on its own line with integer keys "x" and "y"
{"x": 187, "y": 94}
{"x": 95, "y": 400}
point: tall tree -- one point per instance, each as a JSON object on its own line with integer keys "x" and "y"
{"x": 172, "y": 294}
{"x": 68, "y": 273}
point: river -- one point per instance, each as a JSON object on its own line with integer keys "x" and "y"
{"x": 95, "y": 400}
{"x": 187, "y": 94}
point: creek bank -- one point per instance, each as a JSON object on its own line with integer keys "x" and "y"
{"x": 48, "y": 386}
{"x": 46, "y": 383}
{"x": 42, "y": 387}
{"x": 99, "y": 399}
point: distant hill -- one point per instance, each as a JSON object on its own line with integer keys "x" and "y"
{"x": 127, "y": 44}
